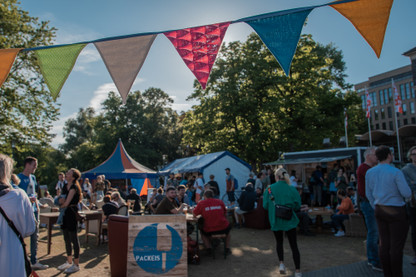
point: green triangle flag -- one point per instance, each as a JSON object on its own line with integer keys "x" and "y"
{"x": 56, "y": 63}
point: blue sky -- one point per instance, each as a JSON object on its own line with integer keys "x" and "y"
{"x": 90, "y": 82}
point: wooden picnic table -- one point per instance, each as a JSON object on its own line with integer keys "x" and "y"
{"x": 319, "y": 212}
{"x": 51, "y": 218}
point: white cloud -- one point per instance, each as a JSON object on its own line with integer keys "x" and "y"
{"x": 179, "y": 107}
{"x": 69, "y": 33}
{"x": 89, "y": 55}
{"x": 100, "y": 94}
{"x": 58, "y": 128}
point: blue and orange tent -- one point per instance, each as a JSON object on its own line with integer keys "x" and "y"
{"x": 121, "y": 166}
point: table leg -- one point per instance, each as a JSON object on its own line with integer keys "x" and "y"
{"x": 319, "y": 223}
{"x": 49, "y": 235}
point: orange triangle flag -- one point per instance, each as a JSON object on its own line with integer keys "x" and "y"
{"x": 369, "y": 17}
{"x": 7, "y": 57}
{"x": 146, "y": 185}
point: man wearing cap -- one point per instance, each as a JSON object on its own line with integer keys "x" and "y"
{"x": 229, "y": 180}
{"x": 29, "y": 185}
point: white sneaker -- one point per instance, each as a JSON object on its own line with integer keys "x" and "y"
{"x": 340, "y": 234}
{"x": 282, "y": 269}
{"x": 64, "y": 266}
{"x": 72, "y": 269}
{"x": 298, "y": 274}
{"x": 38, "y": 265}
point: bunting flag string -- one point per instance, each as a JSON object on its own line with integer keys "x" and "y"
{"x": 198, "y": 46}
{"x": 56, "y": 63}
{"x": 7, "y": 57}
{"x": 281, "y": 34}
{"x": 369, "y": 17}
{"x": 124, "y": 59}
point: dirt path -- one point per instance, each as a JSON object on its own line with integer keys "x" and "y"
{"x": 253, "y": 254}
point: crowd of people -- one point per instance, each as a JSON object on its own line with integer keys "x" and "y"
{"x": 384, "y": 195}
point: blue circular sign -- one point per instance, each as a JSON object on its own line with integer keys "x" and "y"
{"x": 149, "y": 258}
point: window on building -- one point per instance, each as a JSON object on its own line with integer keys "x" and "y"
{"x": 405, "y": 121}
{"x": 412, "y": 90}
{"x": 384, "y": 126}
{"x": 390, "y": 95}
{"x": 412, "y": 107}
{"x": 398, "y": 123}
{"x": 380, "y": 95}
{"x": 402, "y": 92}
{"x": 407, "y": 90}
{"x": 374, "y": 99}
{"x": 404, "y": 109}
{"x": 386, "y": 97}
{"x": 389, "y": 113}
{"x": 363, "y": 102}
{"x": 391, "y": 125}
{"x": 376, "y": 114}
{"x": 377, "y": 126}
{"x": 383, "y": 114}
{"x": 413, "y": 120}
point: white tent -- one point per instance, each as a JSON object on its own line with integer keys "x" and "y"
{"x": 213, "y": 163}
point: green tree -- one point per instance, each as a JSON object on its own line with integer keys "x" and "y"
{"x": 146, "y": 124}
{"x": 27, "y": 109}
{"x": 251, "y": 108}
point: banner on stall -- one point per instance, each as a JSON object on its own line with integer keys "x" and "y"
{"x": 157, "y": 246}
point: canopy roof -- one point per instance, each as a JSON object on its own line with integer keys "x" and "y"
{"x": 120, "y": 166}
{"x": 308, "y": 160}
{"x": 197, "y": 163}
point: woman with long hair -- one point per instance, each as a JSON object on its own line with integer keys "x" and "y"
{"x": 283, "y": 194}
{"x": 72, "y": 192}
{"x": 17, "y": 207}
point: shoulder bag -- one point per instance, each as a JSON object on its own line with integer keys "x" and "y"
{"x": 28, "y": 266}
{"x": 281, "y": 211}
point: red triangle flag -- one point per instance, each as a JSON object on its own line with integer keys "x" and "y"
{"x": 199, "y": 47}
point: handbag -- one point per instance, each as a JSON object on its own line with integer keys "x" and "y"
{"x": 281, "y": 211}
{"x": 28, "y": 266}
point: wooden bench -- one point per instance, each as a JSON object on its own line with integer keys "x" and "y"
{"x": 214, "y": 240}
{"x": 355, "y": 226}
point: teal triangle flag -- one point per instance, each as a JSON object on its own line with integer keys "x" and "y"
{"x": 281, "y": 34}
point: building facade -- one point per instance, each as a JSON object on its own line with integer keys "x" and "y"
{"x": 384, "y": 129}
{"x": 382, "y": 97}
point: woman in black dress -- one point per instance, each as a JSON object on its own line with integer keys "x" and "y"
{"x": 72, "y": 192}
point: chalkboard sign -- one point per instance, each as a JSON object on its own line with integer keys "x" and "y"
{"x": 157, "y": 246}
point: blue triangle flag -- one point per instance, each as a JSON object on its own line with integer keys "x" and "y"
{"x": 281, "y": 34}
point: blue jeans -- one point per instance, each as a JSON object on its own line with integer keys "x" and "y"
{"x": 337, "y": 219}
{"x": 372, "y": 233}
{"x": 34, "y": 245}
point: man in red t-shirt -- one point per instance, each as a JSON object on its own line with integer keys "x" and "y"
{"x": 213, "y": 212}
{"x": 367, "y": 210}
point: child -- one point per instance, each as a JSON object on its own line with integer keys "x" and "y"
{"x": 61, "y": 210}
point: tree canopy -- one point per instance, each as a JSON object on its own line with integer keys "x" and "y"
{"x": 146, "y": 124}
{"x": 27, "y": 107}
{"x": 251, "y": 108}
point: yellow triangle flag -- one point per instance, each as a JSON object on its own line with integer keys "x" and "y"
{"x": 369, "y": 17}
{"x": 7, "y": 57}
